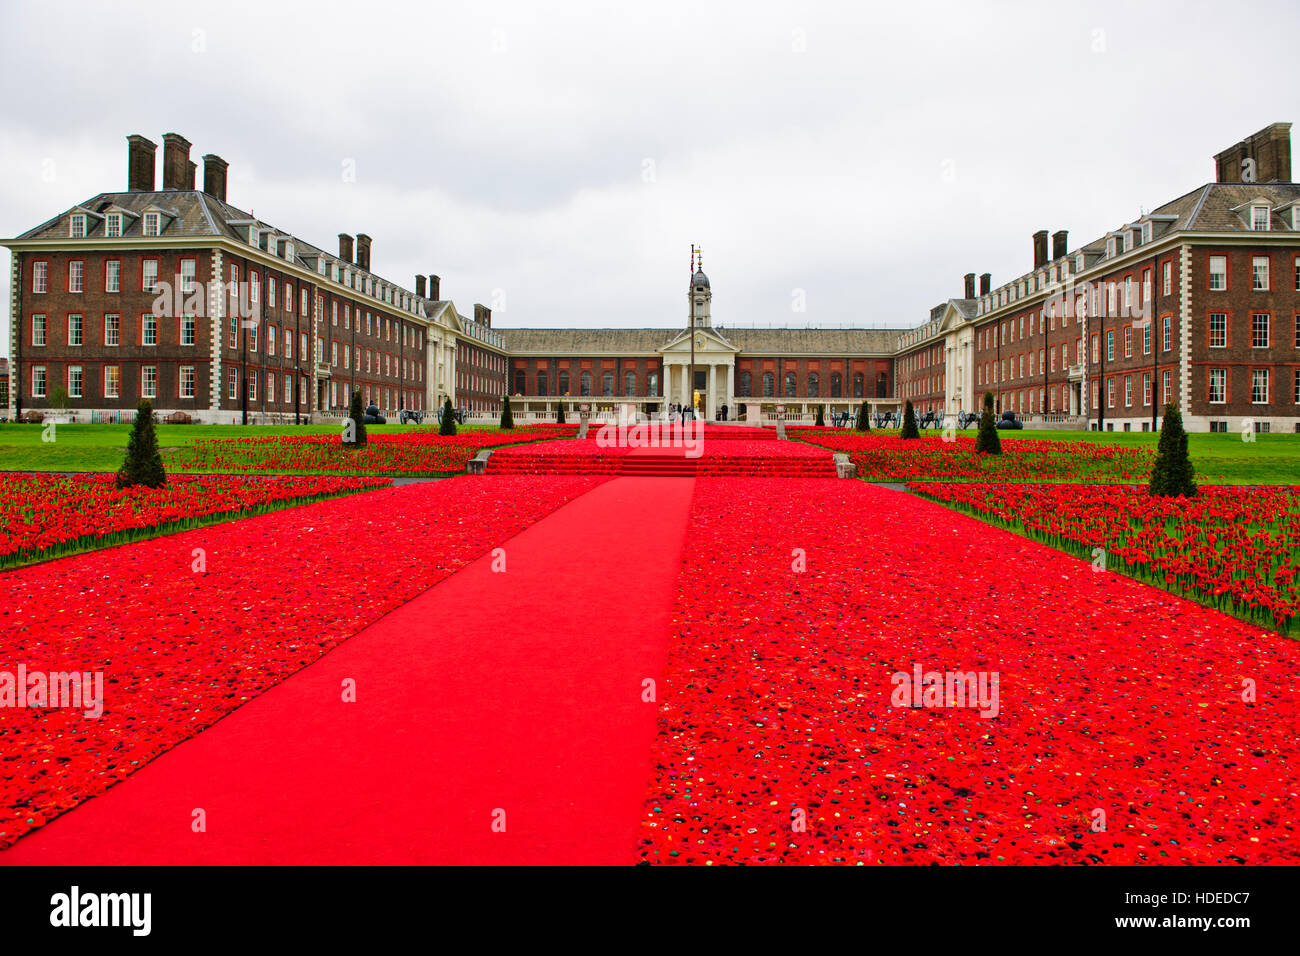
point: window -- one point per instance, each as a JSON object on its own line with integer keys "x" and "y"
{"x": 148, "y": 330}
{"x": 769, "y": 384}
{"x": 76, "y": 276}
{"x": 288, "y": 299}
{"x": 1218, "y": 273}
{"x": 1166, "y": 387}
{"x": 149, "y": 275}
{"x": 188, "y": 329}
{"x": 270, "y": 292}
{"x": 746, "y": 384}
{"x": 1128, "y": 294}
{"x": 1146, "y": 388}
{"x": 1218, "y": 330}
{"x": 232, "y": 382}
{"x": 288, "y": 389}
{"x": 1295, "y": 386}
{"x": 1259, "y": 273}
{"x": 74, "y": 381}
{"x": 791, "y": 385}
{"x": 1110, "y": 298}
{"x": 187, "y": 381}
{"x": 38, "y": 330}
{"x": 1218, "y": 386}
{"x": 304, "y": 302}
{"x": 1146, "y": 339}
{"x": 334, "y": 354}
{"x": 149, "y": 381}
{"x": 1168, "y": 278}
{"x": 252, "y": 387}
{"x": 40, "y": 275}
{"x": 288, "y": 344}
{"x": 1110, "y": 346}
{"x": 1166, "y": 333}
{"x": 113, "y": 276}
{"x": 1096, "y": 353}
{"x": 1146, "y": 285}
{"x": 302, "y": 347}
{"x": 112, "y": 381}
{"x": 1259, "y": 218}
{"x": 1259, "y": 330}
{"x": 38, "y": 381}
{"x": 113, "y": 225}
{"x": 112, "y": 327}
{"x": 814, "y": 385}
{"x": 541, "y": 383}
{"x": 629, "y": 383}
{"x": 187, "y": 276}
{"x": 1259, "y": 386}
{"x": 606, "y": 378}
{"x": 74, "y": 329}
{"x": 1128, "y": 391}
{"x": 77, "y": 227}
{"x": 1110, "y": 393}
{"x": 152, "y": 224}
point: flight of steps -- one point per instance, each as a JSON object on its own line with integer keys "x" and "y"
{"x": 660, "y": 465}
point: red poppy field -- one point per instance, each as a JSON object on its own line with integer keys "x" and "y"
{"x": 1236, "y": 548}
{"x": 1131, "y": 726}
{"x": 930, "y": 457}
{"x": 179, "y": 648}
{"x": 46, "y": 515}
{"x": 417, "y": 453}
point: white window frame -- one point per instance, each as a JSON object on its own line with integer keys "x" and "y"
{"x": 181, "y": 381}
{"x": 152, "y": 224}
{"x": 1258, "y": 223}
{"x": 188, "y": 330}
{"x": 149, "y": 275}
{"x": 1254, "y": 330}
{"x": 38, "y": 392}
{"x": 76, "y": 275}
{"x": 1256, "y": 374}
{"x": 115, "y": 329}
{"x": 1224, "y": 343}
{"x": 148, "y": 390}
{"x": 112, "y": 381}
{"x": 40, "y": 278}
{"x": 77, "y": 226}
{"x": 80, "y": 327}
{"x": 1221, "y": 376}
{"x": 1218, "y": 277}
{"x": 113, "y": 275}
{"x": 1260, "y": 280}
{"x": 41, "y": 323}
{"x": 145, "y": 327}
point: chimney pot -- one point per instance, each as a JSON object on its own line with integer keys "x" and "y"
{"x": 969, "y": 286}
{"x": 435, "y": 285}
{"x": 1269, "y": 151}
{"x": 1060, "y": 243}
{"x": 345, "y": 247}
{"x": 419, "y": 287}
{"x": 176, "y": 161}
{"x": 363, "y": 251}
{"x": 986, "y": 283}
{"x": 214, "y": 176}
{"x": 1040, "y": 248}
{"x": 140, "y": 163}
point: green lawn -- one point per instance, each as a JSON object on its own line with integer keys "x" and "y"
{"x": 102, "y": 447}
{"x": 1221, "y": 458}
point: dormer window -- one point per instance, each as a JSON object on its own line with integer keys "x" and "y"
{"x": 1146, "y": 232}
{"x": 288, "y": 251}
{"x": 1078, "y": 263}
{"x": 77, "y": 228}
{"x": 1110, "y": 248}
{"x": 1259, "y": 218}
{"x": 152, "y": 223}
{"x": 113, "y": 225}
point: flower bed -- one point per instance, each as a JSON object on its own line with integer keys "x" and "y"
{"x": 180, "y": 648}
{"x": 47, "y": 515}
{"x": 890, "y": 458}
{"x": 1122, "y": 733}
{"x": 416, "y": 453}
{"x": 1235, "y": 548}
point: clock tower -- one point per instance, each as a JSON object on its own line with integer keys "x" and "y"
{"x": 701, "y": 297}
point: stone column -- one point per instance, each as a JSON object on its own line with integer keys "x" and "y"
{"x": 731, "y": 389}
{"x": 710, "y": 400}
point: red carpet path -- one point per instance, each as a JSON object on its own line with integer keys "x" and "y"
{"x": 518, "y": 691}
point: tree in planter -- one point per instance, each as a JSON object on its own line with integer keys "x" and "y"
{"x": 988, "y": 440}
{"x": 507, "y": 418}
{"x": 909, "y": 422}
{"x": 59, "y": 399}
{"x": 863, "y": 424}
{"x": 143, "y": 465}
{"x": 821, "y": 416}
{"x": 448, "y": 419}
{"x": 1171, "y": 476}
{"x": 354, "y": 434}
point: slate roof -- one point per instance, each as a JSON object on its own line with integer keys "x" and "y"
{"x": 624, "y": 341}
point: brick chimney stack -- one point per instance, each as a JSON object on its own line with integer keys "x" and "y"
{"x": 969, "y": 286}
{"x": 176, "y": 162}
{"x": 986, "y": 283}
{"x": 1268, "y": 151}
{"x": 140, "y": 164}
{"x": 1060, "y": 241}
{"x": 363, "y": 251}
{"x": 435, "y": 285}
{"x": 214, "y": 176}
{"x": 420, "y": 287}
{"x": 345, "y": 247}
{"x": 1040, "y": 248}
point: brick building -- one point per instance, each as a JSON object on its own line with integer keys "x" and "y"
{"x": 175, "y": 295}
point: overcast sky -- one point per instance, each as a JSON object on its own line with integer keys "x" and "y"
{"x": 557, "y": 160}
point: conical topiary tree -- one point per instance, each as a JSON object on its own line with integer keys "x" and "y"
{"x": 988, "y": 440}
{"x": 1172, "y": 474}
{"x": 448, "y": 419}
{"x": 909, "y": 422}
{"x": 507, "y": 419}
{"x": 821, "y": 415}
{"x": 863, "y": 424}
{"x": 559, "y": 414}
{"x": 143, "y": 465}
{"x": 354, "y": 436}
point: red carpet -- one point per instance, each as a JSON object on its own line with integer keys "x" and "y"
{"x": 519, "y": 691}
